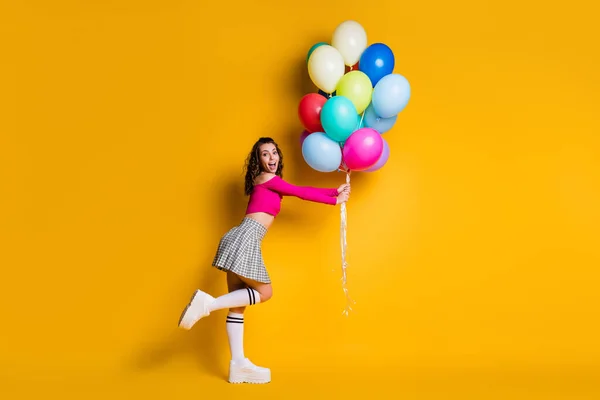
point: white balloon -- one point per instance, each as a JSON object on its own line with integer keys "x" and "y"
{"x": 350, "y": 39}
{"x": 326, "y": 68}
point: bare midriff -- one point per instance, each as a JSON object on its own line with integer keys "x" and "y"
{"x": 262, "y": 218}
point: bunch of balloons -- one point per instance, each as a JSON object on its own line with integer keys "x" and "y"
{"x": 358, "y": 100}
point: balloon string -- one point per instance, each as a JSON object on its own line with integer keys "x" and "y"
{"x": 344, "y": 220}
{"x": 362, "y": 117}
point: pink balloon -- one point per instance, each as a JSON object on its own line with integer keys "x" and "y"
{"x": 362, "y": 149}
{"x": 303, "y": 136}
{"x": 383, "y": 159}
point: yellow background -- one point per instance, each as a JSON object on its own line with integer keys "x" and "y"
{"x": 473, "y": 254}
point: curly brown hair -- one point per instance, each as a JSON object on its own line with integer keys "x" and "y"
{"x": 253, "y": 166}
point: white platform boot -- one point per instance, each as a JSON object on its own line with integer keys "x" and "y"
{"x": 243, "y": 371}
{"x": 196, "y": 309}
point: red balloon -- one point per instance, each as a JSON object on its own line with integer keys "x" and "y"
{"x": 309, "y": 111}
{"x": 354, "y": 67}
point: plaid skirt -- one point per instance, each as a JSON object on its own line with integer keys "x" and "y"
{"x": 239, "y": 251}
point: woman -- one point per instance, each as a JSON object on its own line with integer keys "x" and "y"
{"x": 239, "y": 253}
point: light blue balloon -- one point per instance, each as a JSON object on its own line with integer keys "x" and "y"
{"x": 390, "y": 95}
{"x": 381, "y": 125}
{"x": 339, "y": 118}
{"x": 321, "y": 153}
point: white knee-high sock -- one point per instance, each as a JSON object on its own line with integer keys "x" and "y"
{"x": 237, "y": 298}
{"x": 235, "y": 333}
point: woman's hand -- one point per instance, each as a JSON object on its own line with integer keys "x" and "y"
{"x": 344, "y": 188}
{"x": 343, "y": 197}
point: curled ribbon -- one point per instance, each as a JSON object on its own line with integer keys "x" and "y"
{"x": 343, "y": 226}
{"x": 344, "y": 221}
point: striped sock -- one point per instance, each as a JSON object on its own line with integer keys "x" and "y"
{"x": 237, "y": 298}
{"x": 235, "y": 333}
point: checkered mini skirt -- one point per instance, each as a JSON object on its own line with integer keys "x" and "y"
{"x": 239, "y": 251}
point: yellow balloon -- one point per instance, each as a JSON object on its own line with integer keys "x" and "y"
{"x": 357, "y": 87}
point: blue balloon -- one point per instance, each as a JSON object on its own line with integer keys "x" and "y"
{"x": 390, "y": 95}
{"x": 377, "y": 61}
{"x": 322, "y": 93}
{"x": 321, "y": 153}
{"x": 339, "y": 118}
{"x": 381, "y": 125}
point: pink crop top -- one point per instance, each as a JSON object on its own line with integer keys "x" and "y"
{"x": 266, "y": 197}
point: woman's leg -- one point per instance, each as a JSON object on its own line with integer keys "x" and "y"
{"x": 246, "y": 292}
{"x": 242, "y": 292}
{"x": 235, "y": 283}
{"x": 241, "y": 369}
{"x": 235, "y": 317}
{"x": 202, "y": 304}
{"x": 235, "y": 320}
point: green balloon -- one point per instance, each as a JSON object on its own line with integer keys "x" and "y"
{"x": 314, "y": 46}
{"x": 339, "y": 118}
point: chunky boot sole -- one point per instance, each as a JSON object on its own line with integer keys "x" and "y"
{"x": 251, "y": 377}
{"x": 188, "y": 318}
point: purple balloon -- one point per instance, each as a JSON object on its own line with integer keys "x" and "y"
{"x": 304, "y": 135}
{"x": 383, "y": 159}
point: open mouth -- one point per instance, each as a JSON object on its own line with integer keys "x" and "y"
{"x": 272, "y": 166}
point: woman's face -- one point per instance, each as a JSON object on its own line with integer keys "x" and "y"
{"x": 269, "y": 158}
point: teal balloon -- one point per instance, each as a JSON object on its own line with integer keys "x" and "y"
{"x": 321, "y": 153}
{"x": 314, "y": 46}
{"x": 360, "y": 123}
{"x": 339, "y": 118}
